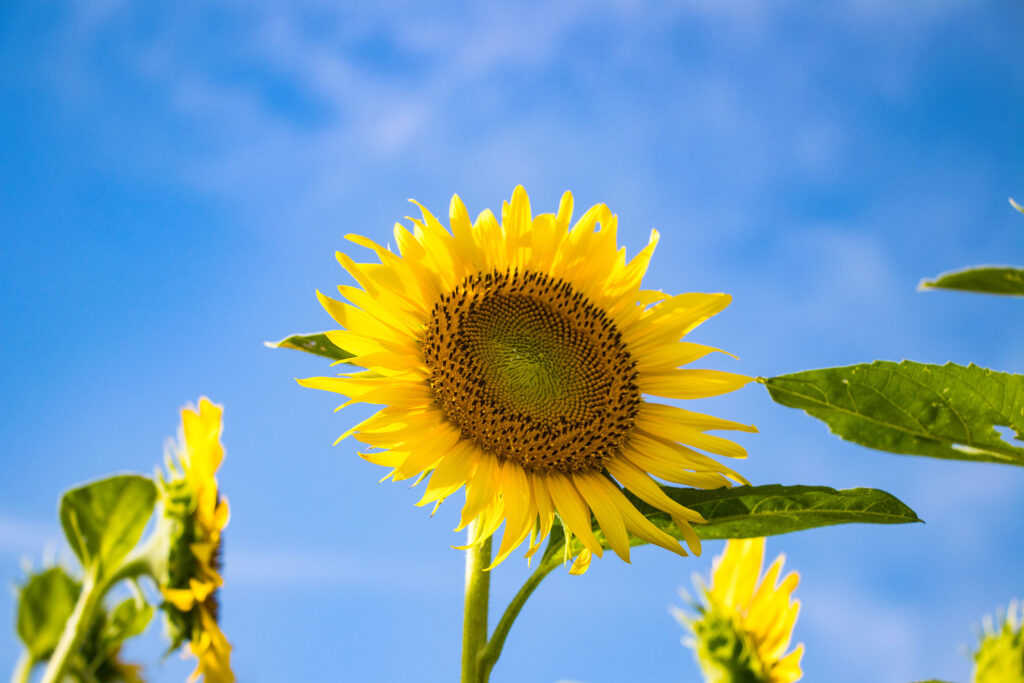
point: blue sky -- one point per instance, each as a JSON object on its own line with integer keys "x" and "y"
{"x": 174, "y": 181}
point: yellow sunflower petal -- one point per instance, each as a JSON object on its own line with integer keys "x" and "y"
{"x": 582, "y": 562}
{"x": 594, "y": 488}
{"x": 182, "y": 598}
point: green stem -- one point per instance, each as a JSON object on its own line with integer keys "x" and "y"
{"x": 149, "y": 558}
{"x": 474, "y": 623}
{"x": 141, "y": 561}
{"x": 75, "y": 629}
{"x": 23, "y": 669}
{"x": 492, "y": 650}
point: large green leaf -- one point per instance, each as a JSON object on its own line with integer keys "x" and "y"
{"x": 942, "y": 411}
{"x": 44, "y": 604}
{"x": 773, "y": 509}
{"x": 770, "y": 510}
{"x": 984, "y": 279}
{"x": 317, "y": 344}
{"x": 104, "y": 520}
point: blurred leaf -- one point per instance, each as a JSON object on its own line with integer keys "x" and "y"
{"x": 99, "y": 658}
{"x": 104, "y": 520}
{"x": 942, "y": 411}
{"x": 127, "y": 620}
{"x": 44, "y": 604}
{"x": 317, "y": 344}
{"x": 985, "y": 279}
{"x": 773, "y": 509}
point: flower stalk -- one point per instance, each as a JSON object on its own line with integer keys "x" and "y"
{"x": 76, "y": 628}
{"x": 480, "y": 653}
{"x": 145, "y": 560}
{"x": 23, "y": 669}
{"x": 491, "y": 652}
{"x": 474, "y": 624}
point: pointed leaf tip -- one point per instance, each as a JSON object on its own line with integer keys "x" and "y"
{"x": 318, "y": 344}
{"x": 1003, "y": 280}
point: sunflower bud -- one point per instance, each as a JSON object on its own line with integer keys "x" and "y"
{"x": 1000, "y": 655}
{"x": 742, "y": 628}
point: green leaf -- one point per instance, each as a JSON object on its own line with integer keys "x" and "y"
{"x": 44, "y": 604}
{"x": 754, "y": 511}
{"x": 985, "y": 279}
{"x": 317, "y": 344}
{"x": 104, "y": 520}
{"x": 127, "y": 620}
{"x": 942, "y": 411}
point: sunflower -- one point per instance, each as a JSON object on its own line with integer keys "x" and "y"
{"x": 1000, "y": 655}
{"x": 744, "y": 627}
{"x": 195, "y": 514}
{"x": 512, "y": 358}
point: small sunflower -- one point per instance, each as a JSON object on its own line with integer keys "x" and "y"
{"x": 743, "y": 628}
{"x": 1000, "y": 655}
{"x": 512, "y": 358}
{"x": 195, "y": 514}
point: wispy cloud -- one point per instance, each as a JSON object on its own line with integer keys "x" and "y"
{"x": 303, "y": 568}
{"x": 438, "y": 70}
{"x": 26, "y": 536}
{"x": 881, "y": 641}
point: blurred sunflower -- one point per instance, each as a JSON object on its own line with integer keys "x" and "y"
{"x": 512, "y": 359}
{"x": 195, "y": 514}
{"x": 1000, "y": 655}
{"x": 742, "y": 629}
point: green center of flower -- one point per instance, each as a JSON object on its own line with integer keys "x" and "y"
{"x": 532, "y": 371}
{"x": 724, "y": 651}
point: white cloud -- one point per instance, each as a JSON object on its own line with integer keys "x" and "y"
{"x": 34, "y": 543}
{"x": 880, "y": 640}
{"x": 19, "y": 535}
{"x": 303, "y": 568}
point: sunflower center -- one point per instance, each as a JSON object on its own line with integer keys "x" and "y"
{"x": 532, "y": 371}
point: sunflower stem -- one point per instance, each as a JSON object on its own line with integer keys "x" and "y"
{"x": 23, "y": 669}
{"x": 491, "y": 652}
{"x": 76, "y": 628}
{"x": 474, "y": 624}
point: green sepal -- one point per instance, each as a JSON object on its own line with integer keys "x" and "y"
{"x": 984, "y": 279}
{"x": 942, "y": 411}
{"x": 318, "y": 344}
{"x": 104, "y": 520}
{"x": 724, "y": 652}
{"x": 1000, "y": 654}
{"x": 45, "y": 603}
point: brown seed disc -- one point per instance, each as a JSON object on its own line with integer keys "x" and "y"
{"x": 532, "y": 371}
